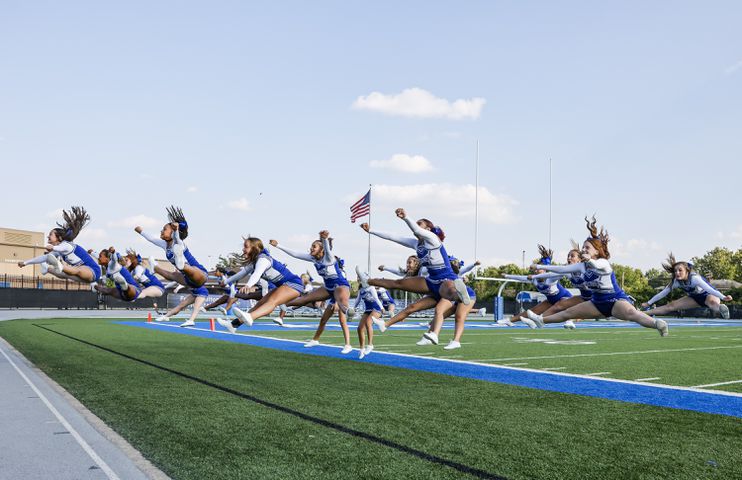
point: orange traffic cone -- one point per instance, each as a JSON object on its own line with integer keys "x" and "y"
{"x": 149, "y": 317}
{"x": 211, "y": 324}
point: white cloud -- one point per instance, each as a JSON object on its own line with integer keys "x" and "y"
{"x": 418, "y": 103}
{"x": 239, "y": 204}
{"x": 91, "y": 235}
{"x": 135, "y": 220}
{"x": 192, "y": 189}
{"x": 56, "y": 213}
{"x": 402, "y": 162}
{"x": 444, "y": 199}
{"x": 733, "y": 68}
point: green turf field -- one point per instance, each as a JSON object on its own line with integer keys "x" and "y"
{"x": 274, "y": 414}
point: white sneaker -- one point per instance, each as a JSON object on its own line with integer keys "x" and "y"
{"x": 452, "y": 345}
{"x": 54, "y": 263}
{"x": 368, "y": 349}
{"x": 162, "y": 318}
{"x": 432, "y": 336}
{"x": 188, "y": 323}
{"x": 350, "y": 312}
{"x": 361, "y": 354}
{"x": 724, "y": 311}
{"x": 226, "y": 324}
{"x": 662, "y": 326}
{"x": 346, "y": 349}
{"x": 423, "y": 342}
{"x": 178, "y": 288}
{"x": 379, "y": 323}
{"x": 505, "y": 323}
{"x": 527, "y": 321}
{"x": 278, "y": 321}
{"x": 178, "y": 257}
{"x": 44, "y": 268}
{"x": 244, "y": 317}
{"x": 537, "y": 319}
{"x": 223, "y": 310}
{"x": 569, "y": 324}
{"x": 152, "y": 265}
{"x": 461, "y": 291}
{"x": 362, "y": 277}
{"x": 311, "y": 343}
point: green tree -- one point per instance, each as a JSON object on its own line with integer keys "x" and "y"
{"x": 486, "y": 289}
{"x": 720, "y": 263}
{"x": 633, "y": 282}
{"x": 230, "y": 262}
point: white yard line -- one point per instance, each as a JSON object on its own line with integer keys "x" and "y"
{"x": 597, "y": 374}
{"x": 81, "y": 441}
{"x": 717, "y": 384}
{"x": 609, "y": 354}
{"x": 512, "y": 364}
{"x": 554, "y": 368}
{"x": 647, "y": 379}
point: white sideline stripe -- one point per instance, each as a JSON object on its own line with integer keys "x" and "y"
{"x": 514, "y": 364}
{"x": 717, "y": 384}
{"x": 597, "y": 374}
{"x": 608, "y": 354}
{"x": 85, "y": 446}
{"x": 647, "y": 379}
{"x": 489, "y": 365}
{"x": 549, "y": 369}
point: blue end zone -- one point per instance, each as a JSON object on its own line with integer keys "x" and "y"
{"x": 662, "y": 396}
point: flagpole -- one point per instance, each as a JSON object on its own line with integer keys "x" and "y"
{"x": 476, "y": 203}
{"x": 368, "y": 266}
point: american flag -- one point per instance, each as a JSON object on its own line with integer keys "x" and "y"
{"x": 361, "y": 207}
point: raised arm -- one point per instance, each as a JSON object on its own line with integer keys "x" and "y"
{"x": 301, "y": 256}
{"x": 394, "y": 270}
{"x": 468, "y": 268}
{"x": 547, "y": 275}
{"x": 152, "y": 239}
{"x": 431, "y": 239}
{"x": 375, "y": 294}
{"x": 34, "y": 261}
{"x": 404, "y": 241}
{"x": 244, "y": 271}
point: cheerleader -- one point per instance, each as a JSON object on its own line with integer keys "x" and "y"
{"x": 573, "y": 257}
{"x": 65, "y": 259}
{"x": 368, "y": 296}
{"x": 259, "y": 264}
{"x": 607, "y": 297}
{"x": 698, "y": 292}
{"x": 126, "y": 288}
{"x": 441, "y": 282}
{"x": 387, "y": 301}
{"x": 152, "y": 287}
{"x": 548, "y": 286}
{"x": 189, "y": 272}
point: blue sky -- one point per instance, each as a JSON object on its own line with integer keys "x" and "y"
{"x": 261, "y": 118}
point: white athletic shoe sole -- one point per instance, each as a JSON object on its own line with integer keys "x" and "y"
{"x": 178, "y": 257}
{"x": 379, "y": 323}
{"x": 423, "y": 342}
{"x": 570, "y": 325}
{"x": 461, "y": 291}
{"x": 662, "y": 327}
{"x": 311, "y": 343}
{"x": 530, "y": 323}
{"x": 278, "y": 321}
{"x": 361, "y": 355}
{"x": 724, "y": 311}
{"x": 162, "y": 318}
{"x": 362, "y": 277}
{"x": 188, "y": 323}
{"x": 452, "y": 345}
{"x": 504, "y": 323}
{"x": 222, "y": 310}
{"x": 244, "y": 318}
{"x": 432, "y": 337}
{"x": 368, "y": 349}
{"x": 54, "y": 264}
{"x": 537, "y": 319}
{"x": 347, "y": 349}
{"x": 226, "y": 324}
